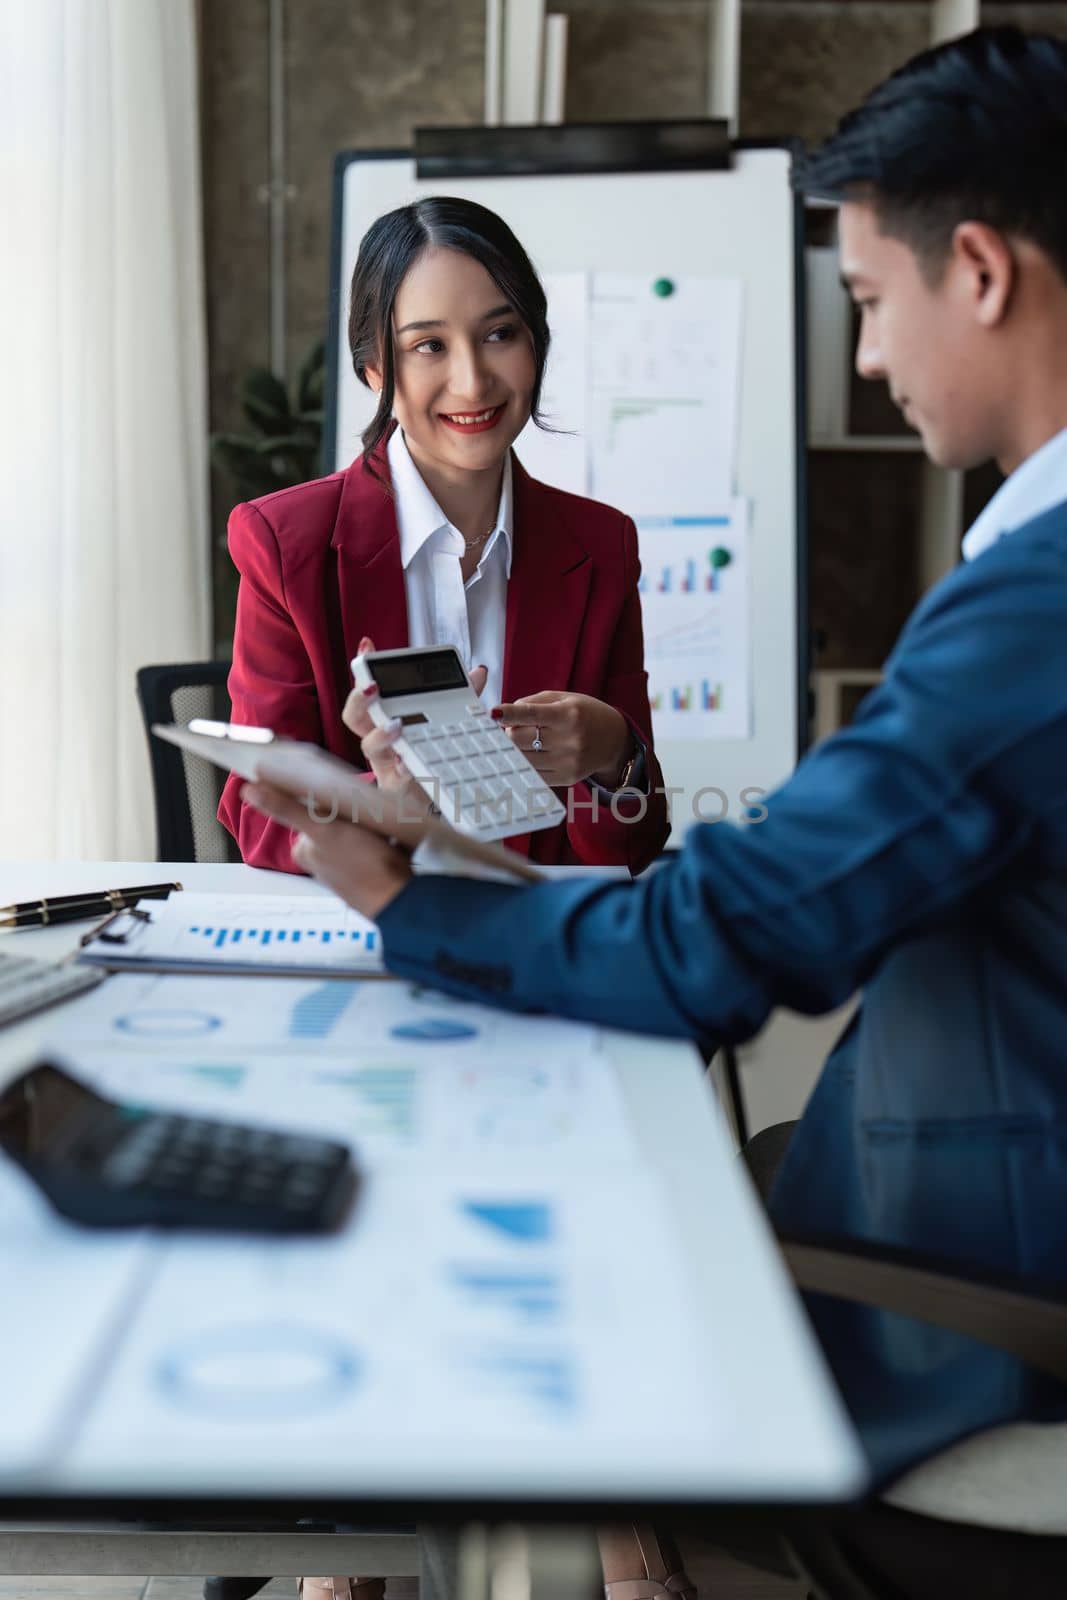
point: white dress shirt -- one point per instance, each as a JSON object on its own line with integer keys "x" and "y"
{"x": 1036, "y": 485}
{"x": 442, "y": 609}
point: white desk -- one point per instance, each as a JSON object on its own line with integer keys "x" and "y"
{"x": 772, "y": 1429}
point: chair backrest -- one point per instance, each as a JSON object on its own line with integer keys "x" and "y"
{"x": 186, "y": 788}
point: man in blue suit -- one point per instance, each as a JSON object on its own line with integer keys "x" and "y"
{"x": 918, "y": 856}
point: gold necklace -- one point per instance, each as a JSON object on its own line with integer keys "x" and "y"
{"x": 472, "y": 544}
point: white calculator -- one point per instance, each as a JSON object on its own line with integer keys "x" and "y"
{"x": 462, "y": 759}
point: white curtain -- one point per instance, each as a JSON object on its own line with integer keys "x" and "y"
{"x": 104, "y": 537}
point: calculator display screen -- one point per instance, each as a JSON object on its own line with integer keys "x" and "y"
{"x": 36, "y": 1105}
{"x": 418, "y": 674}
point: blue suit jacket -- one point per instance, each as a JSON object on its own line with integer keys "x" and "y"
{"x": 920, "y": 855}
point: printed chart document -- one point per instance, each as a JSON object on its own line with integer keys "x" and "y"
{"x": 646, "y": 385}
{"x": 561, "y": 456}
{"x": 664, "y": 393}
{"x": 240, "y": 933}
{"x": 501, "y": 1335}
{"x": 399, "y": 1072}
{"x": 66, "y": 1291}
{"x": 285, "y": 1016}
{"x": 641, "y": 391}
{"x": 495, "y": 1269}
{"x": 696, "y": 611}
{"x": 493, "y": 1279}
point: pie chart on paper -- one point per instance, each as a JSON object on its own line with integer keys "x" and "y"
{"x": 434, "y": 1030}
{"x": 167, "y": 1023}
{"x": 258, "y": 1370}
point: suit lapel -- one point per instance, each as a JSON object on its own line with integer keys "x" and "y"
{"x": 547, "y": 593}
{"x": 370, "y": 576}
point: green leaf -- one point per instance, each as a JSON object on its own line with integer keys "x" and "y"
{"x": 293, "y": 459}
{"x": 233, "y": 454}
{"x": 265, "y": 402}
{"x": 259, "y": 466}
{"x": 287, "y": 445}
{"x": 311, "y": 380}
{"x": 296, "y": 442}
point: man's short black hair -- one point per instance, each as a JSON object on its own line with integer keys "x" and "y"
{"x": 973, "y": 130}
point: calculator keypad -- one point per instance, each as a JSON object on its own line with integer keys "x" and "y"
{"x": 28, "y": 984}
{"x": 482, "y": 784}
{"x": 230, "y": 1166}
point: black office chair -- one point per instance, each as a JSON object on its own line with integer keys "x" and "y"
{"x": 1027, "y": 1320}
{"x": 186, "y": 788}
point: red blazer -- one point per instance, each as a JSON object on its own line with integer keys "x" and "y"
{"x": 320, "y": 568}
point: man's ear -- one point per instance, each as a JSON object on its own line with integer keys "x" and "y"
{"x": 989, "y": 267}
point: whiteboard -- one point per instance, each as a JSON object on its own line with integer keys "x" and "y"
{"x": 743, "y": 222}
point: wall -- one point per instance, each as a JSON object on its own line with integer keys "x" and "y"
{"x": 356, "y": 76}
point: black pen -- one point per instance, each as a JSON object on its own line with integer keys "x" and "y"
{"x": 75, "y": 907}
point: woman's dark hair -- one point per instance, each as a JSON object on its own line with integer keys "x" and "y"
{"x": 391, "y": 245}
{"x": 972, "y": 131}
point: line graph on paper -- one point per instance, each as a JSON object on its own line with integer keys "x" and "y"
{"x": 675, "y": 656}
{"x": 700, "y": 633}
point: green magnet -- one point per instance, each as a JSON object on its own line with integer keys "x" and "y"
{"x": 720, "y": 557}
{"x": 663, "y": 287}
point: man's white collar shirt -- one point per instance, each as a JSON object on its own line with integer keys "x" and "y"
{"x": 1036, "y": 485}
{"x": 441, "y": 608}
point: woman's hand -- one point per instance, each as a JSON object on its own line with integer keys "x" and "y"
{"x": 377, "y": 743}
{"x": 356, "y": 862}
{"x": 581, "y": 737}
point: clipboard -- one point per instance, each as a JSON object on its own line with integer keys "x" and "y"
{"x": 332, "y": 788}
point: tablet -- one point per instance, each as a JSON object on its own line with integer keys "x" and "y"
{"x": 331, "y": 788}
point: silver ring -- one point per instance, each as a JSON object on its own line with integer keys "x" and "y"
{"x": 537, "y": 744}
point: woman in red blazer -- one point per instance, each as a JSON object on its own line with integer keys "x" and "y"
{"x": 435, "y": 534}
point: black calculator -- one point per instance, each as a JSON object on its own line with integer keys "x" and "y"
{"x": 112, "y": 1165}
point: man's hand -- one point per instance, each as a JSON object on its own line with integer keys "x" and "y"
{"x": 377, "y": 743}
{"x": 357, "y": 863}
{"x": 581, "y": 737}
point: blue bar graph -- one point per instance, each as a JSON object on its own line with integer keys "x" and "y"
{"x": 684, "y": 578}
{"x": 221, "y": 937}
{"x": 549, "y": 1380}
{"x": 315, "y": 1014}
{"x": 532, "y": 1296}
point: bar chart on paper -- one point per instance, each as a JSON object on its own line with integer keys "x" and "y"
{"x": 245, "y": 933}
{"x": 690, "y": 577}
{"x": 222, "y": 937}
{"x": 701, "y": 696}
{"x": 684, "y": 636}
{"x": 694, "y": 565}
{"x": 695, "y": 609}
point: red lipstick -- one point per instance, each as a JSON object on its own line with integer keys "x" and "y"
{"x": 495, "y": 414}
